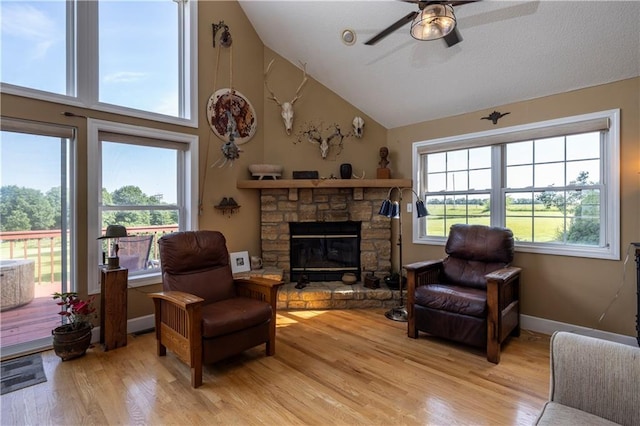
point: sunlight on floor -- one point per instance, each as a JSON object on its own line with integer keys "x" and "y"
{"x": 306, "y": 314}
{"x": 285, "y": 321}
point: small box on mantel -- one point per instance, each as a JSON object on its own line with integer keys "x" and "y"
{"x": 371, "y": 281}
{"x": 311, "y": 174}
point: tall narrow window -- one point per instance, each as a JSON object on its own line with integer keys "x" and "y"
{"x": 139, "y": 55}
{"x": 34, "y": 45}
{"x": 37, "y": 233}
{"x": 146, "y": 180}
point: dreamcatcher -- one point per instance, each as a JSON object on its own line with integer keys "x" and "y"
{"x": 230, "y": 115}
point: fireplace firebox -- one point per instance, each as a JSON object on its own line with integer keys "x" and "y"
{"x": 324, "y": 251}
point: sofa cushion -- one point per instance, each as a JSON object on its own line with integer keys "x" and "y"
{"x": 231, "y": 315}
{"x": 456, "y": 299}
{"x": 554, "y": 414}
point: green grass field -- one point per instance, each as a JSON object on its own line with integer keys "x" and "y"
{"x": 548, "y": 223}
{"x": 49, "y": 259}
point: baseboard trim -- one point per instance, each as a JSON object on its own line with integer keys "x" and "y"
{"x": 546, "y": 326}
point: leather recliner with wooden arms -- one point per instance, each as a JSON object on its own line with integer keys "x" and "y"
{"x": 472, "y": 295}
{"x": 204, "y": 314}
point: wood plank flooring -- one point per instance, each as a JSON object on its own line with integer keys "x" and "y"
{"x": 339, "y": 367}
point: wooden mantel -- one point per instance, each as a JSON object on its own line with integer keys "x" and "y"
{"x": 323, "y": 183}
{"x": 293, "y": 185}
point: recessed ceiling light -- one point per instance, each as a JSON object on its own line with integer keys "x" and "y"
{"x": 348, "y": 37}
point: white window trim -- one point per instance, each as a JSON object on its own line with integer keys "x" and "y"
{"x": 86, "y": 95}
{"x": 187, "y": 221}
{"x": 611, "y": 157}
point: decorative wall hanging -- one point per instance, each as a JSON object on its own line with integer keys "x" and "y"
{"x": 494, "y": 116}
{"x": 358, "y": 126}
{"x": 286, "y": 107}
{"x": 314, "y": 133}
{"x": 230, "y": 113}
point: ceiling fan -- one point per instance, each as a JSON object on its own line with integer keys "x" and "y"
{"x": 434, "y": 20}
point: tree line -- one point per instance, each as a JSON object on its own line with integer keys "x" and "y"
{"x": 29, "y": 209}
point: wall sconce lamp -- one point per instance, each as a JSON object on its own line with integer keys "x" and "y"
{"x": 391, "y": 209}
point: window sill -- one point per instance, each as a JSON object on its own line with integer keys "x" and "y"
{"x": 549, "y": 249}
{"x": 143, "y": 280}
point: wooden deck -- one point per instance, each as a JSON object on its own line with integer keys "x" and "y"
{"x": 34, "y": 320}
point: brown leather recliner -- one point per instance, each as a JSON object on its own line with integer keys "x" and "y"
{"x": 204, "y": 314}
{"x": 471, "y": 296}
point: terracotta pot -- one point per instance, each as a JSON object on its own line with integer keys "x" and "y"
{"x": 69, "y": 343}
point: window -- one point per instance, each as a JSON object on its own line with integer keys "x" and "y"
{"x": 101, "y": 55}
{"x": 143, "y": 179}
{"x": 555, "y": 184}
{"x": 37, "y": 231}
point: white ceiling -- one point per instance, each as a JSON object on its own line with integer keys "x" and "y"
{"x": 512, "y": 51}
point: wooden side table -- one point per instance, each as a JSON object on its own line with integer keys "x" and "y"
{"x": 113, "y": 307}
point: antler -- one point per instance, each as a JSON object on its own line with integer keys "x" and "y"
{"x": 266, "y": 85}
{"x": 304, "y": 80}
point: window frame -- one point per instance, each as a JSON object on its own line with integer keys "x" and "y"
{"x": 69, "y": 278}
{"x": 610, "y": 178}
{"x": 83, "y": 68}
{"x": 187, "y": 189}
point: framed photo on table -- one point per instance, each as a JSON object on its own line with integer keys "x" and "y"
{"x": 240, "y": 262}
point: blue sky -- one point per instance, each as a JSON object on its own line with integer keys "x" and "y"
{"x": 138, "y": 51}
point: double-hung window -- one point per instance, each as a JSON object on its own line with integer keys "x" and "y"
{"x": 145, "y": 180}
{"x": 133, "y": 57}
{"x": 555, "y": 184}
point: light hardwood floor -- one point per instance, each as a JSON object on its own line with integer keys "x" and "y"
{"x": 331, "y": 368}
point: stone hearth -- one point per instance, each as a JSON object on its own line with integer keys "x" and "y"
{"x": 336, "y": 295}
{"x": 328, "y": 295}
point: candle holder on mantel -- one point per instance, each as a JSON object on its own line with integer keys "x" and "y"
{"x": 227, "y": 206}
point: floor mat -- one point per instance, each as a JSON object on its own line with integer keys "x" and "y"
{"x": 21, "y": 372}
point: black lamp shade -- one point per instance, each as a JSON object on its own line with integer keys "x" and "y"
{"x": 395, "y": 210}
{"x": 421, "y": 210}
{"x": 385, "y": 208}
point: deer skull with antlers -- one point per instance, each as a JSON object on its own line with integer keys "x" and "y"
{"x": 287, "y": 107}
{"x": 313, "y": 134}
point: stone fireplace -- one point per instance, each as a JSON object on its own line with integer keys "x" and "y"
{"x": 282, "y": 206}
{"x": 324, "y": 251}
{"x": 305, "y": 201}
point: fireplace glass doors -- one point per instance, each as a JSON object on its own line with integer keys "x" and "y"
{"x": 324, "y": 251}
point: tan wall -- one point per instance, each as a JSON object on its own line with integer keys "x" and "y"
{"x": 561, "y": 288}
{"x": 317, "y": 105}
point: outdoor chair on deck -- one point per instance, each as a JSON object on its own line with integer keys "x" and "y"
{"x": 471, "y": 296}
{"x": 134, "y": 252}
{"x": 204, "y": 314}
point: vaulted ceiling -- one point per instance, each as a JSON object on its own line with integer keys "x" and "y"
{"x": 511, "y": 51}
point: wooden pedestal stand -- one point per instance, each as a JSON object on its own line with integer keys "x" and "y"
{"x": 113, "y": 307}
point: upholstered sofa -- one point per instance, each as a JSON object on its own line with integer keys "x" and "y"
{"x": 593, "y": 382}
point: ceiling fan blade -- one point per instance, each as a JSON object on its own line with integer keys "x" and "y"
{"x": 391, "y": 28}
{"x": 453, "y": 37}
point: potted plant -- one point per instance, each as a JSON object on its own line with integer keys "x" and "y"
{"x": 72, "y": 339}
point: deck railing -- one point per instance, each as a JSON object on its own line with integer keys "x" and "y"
{"x": 45, "y": 248}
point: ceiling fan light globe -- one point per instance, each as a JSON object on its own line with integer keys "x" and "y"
{"x": 433, "y": 22}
